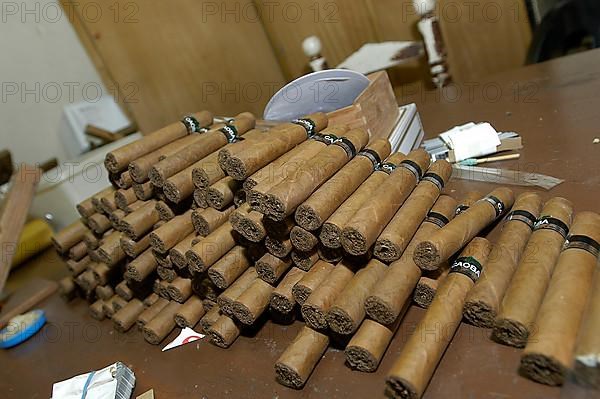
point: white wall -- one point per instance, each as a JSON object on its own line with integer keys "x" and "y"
{"x": 45, "y": 65}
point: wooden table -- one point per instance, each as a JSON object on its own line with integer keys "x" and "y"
{"x": 555, "y": 107}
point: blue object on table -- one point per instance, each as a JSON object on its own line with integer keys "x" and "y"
{"x": 21, "y": 328}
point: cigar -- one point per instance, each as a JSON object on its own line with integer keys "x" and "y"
{"x": 91, "y": 240}
{"x": 251, "y": 226}
{"x": 252, "y": 137}
{"x": 440, "y": 246}
{"x": 223, "y": 331}
{"x": 124, "y": 291}
{"x": 298, "y": 361}
{"x": 162, "y": 324}
{"x": 528, "y": 285}
{"x": 133, "y": 248}
{"x": 311, "y": 214}
{"x": 107, "y": 204}
{"x": 200, "y": 198}
{"x": 311, "y": 281}
{"x": 252, "y": 302}
{"x": 190, "y": 312}
{"x": 205, "y": 144}
{"x": 270, "y": 268}
{"x": 76, "y": 267}
{"x": 395, "y": 237}
{"x": 168, "y": 210}
{"x": 177, "y": 253}
{"x": 97, "y": 198}
{"x": 97, "y": 310}
{"x": 316, "y": 306}
{"x": 221, "y": 193}
{"x": 209, "y": 319}
{"x": 123, "y": 180}
{"x": 283, "y": 199}
{"x": 105, "y": 275}
{"x": 86, "y": 208}
{"x": 303, "y": 240}
{"x": 483, "y": 301}
{"x": 305, "y": 260}
{"x": 86, "y": 281}
{"x": 99, "y": 223}
{"x": 412, "y": 370}
{"x": 150, "y": 312}
{"x": 280, "y": 140}
{"x": 587, "y": 370}
{"x": 150, "y": 300}
{"x": 140, "y": 222}
{"x": 180, "y": 289}
{"x": 174, "y": 231}
{"x": 125, "y": 318}
{"x": 207, "y": 172}
{"x": 427, "y": 287}
{"x": 124, "y": 198}
{"x": 143, "y": 191}
{"x": 115, "y": 219}
{"x": 113, "y": 305}
{"x": 78, "y": 251}
{"x": 205, "y": 221}
{"x": 228, "y": 297}
{"x": 163, "y": 260}
{"x": 110, "y": 252}
{"x": 227, "y": 269}
{"x": 68, "y": 237}
{"x": 181, "y": 185}
{"x": 238, "y": 213}
{"x": 278, "y": 247}
{"x": 204, "y": 254}
{"x": 160, "y": 287}
{"x": 390, "y": 296}
{"x": 361, "y": 231}
{"x": 347, "y": 312}
{"x": 104, "y": 292}
{"x": 548, "y": 356}
{"x": 282, "y": 297}
{"x": 331, "y": 255}
{"x": 367, "y": 347}
{"x": 166, "y": 274}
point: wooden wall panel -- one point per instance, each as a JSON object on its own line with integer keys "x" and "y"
{"x": 170, "y": 58}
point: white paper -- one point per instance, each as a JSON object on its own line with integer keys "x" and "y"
{"x": 103, "y": 385}
{"x": 186, "y": 336}
{"x": 471, "y": 140}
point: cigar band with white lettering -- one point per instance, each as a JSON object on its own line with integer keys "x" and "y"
{"x": 372, "y": 156}
{"x": 347, "y": 146}
{"x": 522, "y": 216}
{"x": 467, "y": 265}
{"x": 496, "y": 203}
{"x": 461, "y": 209}
{"x": 308, "y": 125}
{"x": 325, "y": 138}
{"x": 550, "y": 223}
{"x": 435, "y": 179}
{"x": 387, "y": 167}
{"x": 583, "y": 242}
{"x": 230, "y": 132}
{"x": 437, "y": 219}
{"x": 192, "y": 125}
{"x": 413, "y": 167}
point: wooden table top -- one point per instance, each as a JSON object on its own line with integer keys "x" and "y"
{"x": 555, "y": 106}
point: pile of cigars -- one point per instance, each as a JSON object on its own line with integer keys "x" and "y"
{"x": 216, "y": 226}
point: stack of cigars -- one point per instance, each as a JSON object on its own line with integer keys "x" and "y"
{"x": 214, "y": 224}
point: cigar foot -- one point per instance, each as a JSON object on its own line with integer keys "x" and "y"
{"x": 236, "y": 169}
{"x": 172, "y": 192}
{"x": 195, "y": 263}
{"x": 287, "y": 376}
{"x": 111, "y": 164}
{"x": 354, "y": 242}
{"x": 361, "y": 359}
{"x": 242, "y": 313}
{"x": 510, "y": 332}
{"x": 340, "y": 321}
{"x": 427, "y": 256}
{"x": 396, "y": 387}
{"x": 307, "y": 218}
{"x": 380, "y": 311}
{"x": 281, "y": 303}
{"x": 133, "y": 273}
{"x": 276, "y": 208}
{"x": 301, "y": 293}
{"x": 314, "y": 317}
{"x": 386, "y": 251}
{"x": 330, "y": 236}
{"x": 424, "y": 295}
{"x": 176, "y": 295}
{"x": 150, "y": 336}
{"x": 223, "y": 332}
{"x": 217, "y": 279}
{"x": 215, "y": 198}
{"x": 542, "y": 369}
{"x": 480, "y": 314}
{"x": 304, "y": 260}
{"x": 256, "y": 201}
{"x": 251, "y": 230}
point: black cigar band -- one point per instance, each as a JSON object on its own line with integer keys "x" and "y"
{"x": 461, "y": 209}
{"x": 230, "y": 132}
{"x": 435, "y": 179}
{"x": 496, "y": 203}
{"x": 550, "y": 223}
{"x": 522, "y": 216}
{"x": 437, "y": 219}
{"x": 307, "y": 124}
{"x": 325, "y": 138}
{"x": 372, "y": 156}
{"x": 347, "y": 146}
{"x": 413, "y": 167}
{"x": 192, "y": 125}
{"x": 583, "y": 242}
{"x": 467, "y": 265}
{"x": 387, "y": 167}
